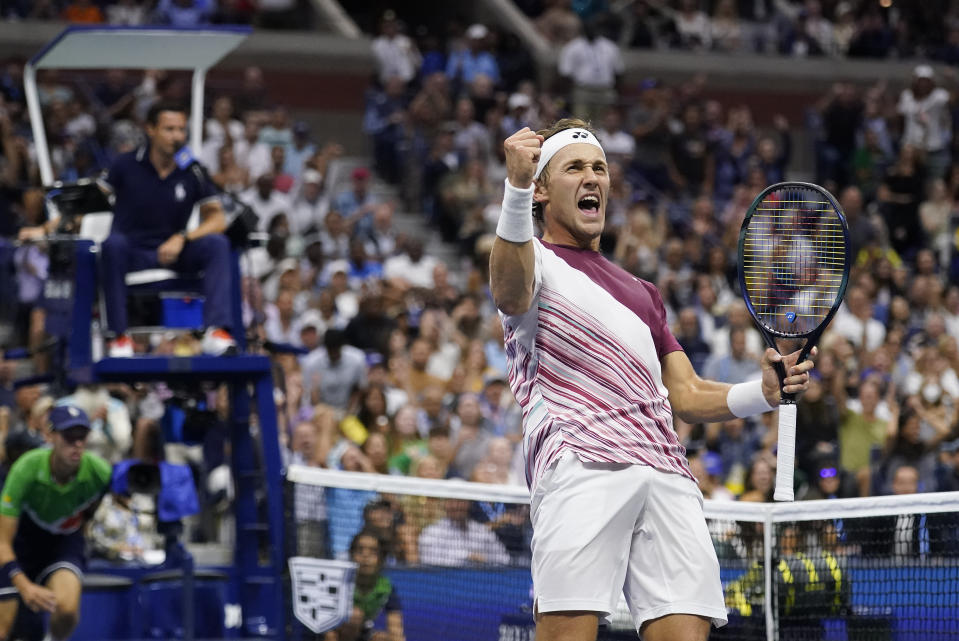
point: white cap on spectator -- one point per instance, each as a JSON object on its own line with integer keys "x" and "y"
{"x": 287, "y": 265}
{"x": 477, "y": 32}
{"x": 518, "y": 100}
{"x": 312, "y": 176}
{"x": 311, "y": 318}
{"x": 335, "y": 266}
{"x": 923, "y": 71}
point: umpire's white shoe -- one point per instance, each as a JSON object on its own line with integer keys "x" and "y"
{"x": 120, "y": 347}
{"x": 218, "y": 342}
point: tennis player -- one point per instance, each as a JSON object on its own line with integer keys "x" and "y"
{"x": 599, "y": 375}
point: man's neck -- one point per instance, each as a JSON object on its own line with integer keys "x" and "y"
{"x": 62, "y": 477}
{"x": 163, "y": 163}
{"x": 366, "y": 581}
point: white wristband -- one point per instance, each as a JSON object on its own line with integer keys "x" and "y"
{"x": 516, "y": 221}
{"x": 747, "y": 399}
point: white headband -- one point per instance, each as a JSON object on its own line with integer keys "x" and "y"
{"x": 557, "y": 141}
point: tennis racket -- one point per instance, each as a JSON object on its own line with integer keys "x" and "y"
{"x": 793, "y": 269}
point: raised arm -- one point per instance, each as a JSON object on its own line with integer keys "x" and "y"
{"x": 512, "y": 258}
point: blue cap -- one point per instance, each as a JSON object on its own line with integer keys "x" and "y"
{"x": 63, "y": 417}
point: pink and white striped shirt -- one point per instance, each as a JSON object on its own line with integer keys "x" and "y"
{"x": 584, "y": 364}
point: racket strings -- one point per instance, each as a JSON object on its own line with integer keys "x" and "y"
{"x": 794, "y": 256}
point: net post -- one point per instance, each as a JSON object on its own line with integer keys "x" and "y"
{"x": 768, "y": 575}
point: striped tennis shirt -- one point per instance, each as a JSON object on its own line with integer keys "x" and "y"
{"x": 584, "y": 364}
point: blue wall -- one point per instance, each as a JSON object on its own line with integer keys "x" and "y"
{"x": 915, "y": 603}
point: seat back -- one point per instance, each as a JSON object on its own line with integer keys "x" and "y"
{"x": 96, "y": 226}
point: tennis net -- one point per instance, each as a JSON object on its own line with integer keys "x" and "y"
{"x": 456, "y": 560}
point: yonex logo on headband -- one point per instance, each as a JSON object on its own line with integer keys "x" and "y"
{"x": 557, "y": 141}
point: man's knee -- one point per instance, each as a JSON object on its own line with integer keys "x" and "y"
{"x": 676, "y": 627}
{"x": 566, "y": 626}
{"x": 114, "y": 244}
{"x": 214, "y": 245}
{"x": 65, "y": 618}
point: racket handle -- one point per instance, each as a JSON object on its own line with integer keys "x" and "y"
{"x": 786, "y": 452}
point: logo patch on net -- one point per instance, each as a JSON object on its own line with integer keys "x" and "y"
{"x": 322, "y": 592}
{"x": 791, "y": 316}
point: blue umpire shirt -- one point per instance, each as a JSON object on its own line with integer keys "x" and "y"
{"x": 149, "y": 209}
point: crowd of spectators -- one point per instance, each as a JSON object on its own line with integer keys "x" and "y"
{"x": 684, "y": 168}
{"x": 800, "y": 28}
{"x": 404, "y": 368}
{"x": 268, "y": 14}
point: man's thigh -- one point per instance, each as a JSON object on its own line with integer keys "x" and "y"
{"x": 8, "y": 614}
{"x": 583, "y": 519}
{"x": 137, "y": 257}
{"x": 673, "y": 569}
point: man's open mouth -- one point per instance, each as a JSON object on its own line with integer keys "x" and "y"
{"x": 589, "y": 205}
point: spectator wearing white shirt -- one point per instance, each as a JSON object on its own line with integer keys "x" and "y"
{"x": 223, "y": 125}
{"x": 309, "y": 208}
{"x": 381, "y": 242}
{"x": 111, "y": 434}
{"x": 927, "y": 123}
{"x": 280, "y": 325}
{"x": 411, "y": 267}
{"x": 251, "y": 154}
{"x": 593, "y": 64}
{"x": 616, "y": 141}
{"x": 854, "y": 321}
{"x": 819, "y": 28}
{"x": 335, "y": 236}
{"x": 692, "y": 26}
{"x": 309, "y": 328}
{"x": 334, "y": 372}
{"x": 736, "y": 316}
{"x": 396, "y": 54}
{"x": 458, "y": 541}
{"x": 309, "y": 501}
{"x": 726, "y": 30}
{"x": 265, "y": 200}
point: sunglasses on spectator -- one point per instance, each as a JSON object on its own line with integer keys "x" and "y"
{"x": 75, "y": 435}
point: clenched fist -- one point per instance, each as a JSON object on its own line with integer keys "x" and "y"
{"x": 522, "y": 154}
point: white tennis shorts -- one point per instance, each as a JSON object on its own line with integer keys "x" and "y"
{"x": 602, "y": 529}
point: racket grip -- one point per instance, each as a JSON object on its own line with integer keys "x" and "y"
{"x": 786, "y": 452}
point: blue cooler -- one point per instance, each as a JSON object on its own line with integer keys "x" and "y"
{"x": 161, "y": 605}
{"x": 182, "y": 311}
{"x": 107, "y": 609}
